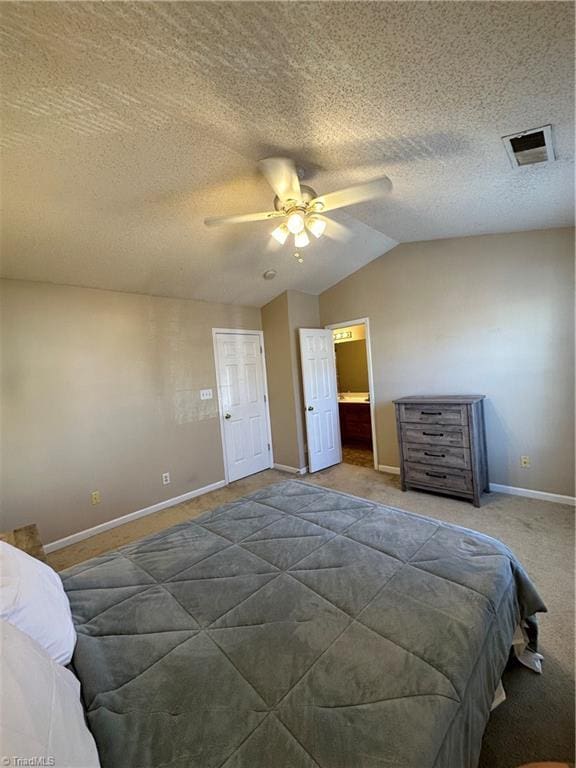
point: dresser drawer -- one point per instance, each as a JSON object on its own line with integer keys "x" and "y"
{"x": 434, "y": 414}
{"x": 436, "y": 434}
{"x": 438, "y": 477}
{"x": 445, "y": 456}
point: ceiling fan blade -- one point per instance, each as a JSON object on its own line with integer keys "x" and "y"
{"x": 280, "y": 172}
{"x": 353, "y": 195}
{"x": 242, "y": 218}
{"x": 336, "y": 231}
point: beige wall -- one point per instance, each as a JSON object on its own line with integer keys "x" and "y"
{"x": 100, "y": 391}
{"x": 281, "y": 319}
{"x": 352, "y": 366}
{"x": 303, "y": 312}
{"x": 491, "y": 314}
{"x": 279, "y": 373}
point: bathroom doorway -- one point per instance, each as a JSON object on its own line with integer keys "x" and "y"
{"x": 355, "y": 392}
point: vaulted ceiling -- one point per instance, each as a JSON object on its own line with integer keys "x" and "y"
{"x": 125, "y": 124}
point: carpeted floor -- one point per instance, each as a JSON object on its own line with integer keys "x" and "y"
{"x": 536, "y": 722}
{"x": 355, "y": 454}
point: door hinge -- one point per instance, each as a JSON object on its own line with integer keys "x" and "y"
{"x": 268, "y": 446}
{"x": 265, "y": 399}
{"x": 260, "y": 348}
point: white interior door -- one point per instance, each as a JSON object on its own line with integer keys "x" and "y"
{"x": 320, "y": 398}
{"x": 243, "y": 404}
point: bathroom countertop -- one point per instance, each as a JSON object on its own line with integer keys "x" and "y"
{"x": 354, "y": 397}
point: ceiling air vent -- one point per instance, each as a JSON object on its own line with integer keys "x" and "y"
{"x": 530, "y": 147}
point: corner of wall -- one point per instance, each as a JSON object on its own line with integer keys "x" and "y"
{"x": 281, "y": 319}
{"x": 303, "y": 312}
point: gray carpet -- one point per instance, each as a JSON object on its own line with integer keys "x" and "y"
{"x": 536, "y": 722}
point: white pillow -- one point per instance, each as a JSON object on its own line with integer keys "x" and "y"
{"x": 32, "y": 598}
{"x": 41, "y": 716}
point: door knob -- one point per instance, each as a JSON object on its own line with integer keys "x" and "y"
{"x": 227, "y": 415}
{"x": 310, "y": 407}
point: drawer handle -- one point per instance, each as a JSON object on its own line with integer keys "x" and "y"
{"x": 433, "y": 434}
{"x": 438, "y": 455}
{"x": 435, "y": 474}
{"x": 431, "y": 413}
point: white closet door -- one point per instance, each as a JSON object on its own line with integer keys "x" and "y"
{"x": 244, "y": 411}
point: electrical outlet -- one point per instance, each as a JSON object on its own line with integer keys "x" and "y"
{"x": 95, "y": 497}
{"x": 166, "y": 478}
{"x": 525, "y": 462}
{"x": 205, "y": 394}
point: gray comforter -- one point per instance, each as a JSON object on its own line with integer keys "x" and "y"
{"x": 296, "y": 628}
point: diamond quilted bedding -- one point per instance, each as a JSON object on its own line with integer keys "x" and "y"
{"x": 296, "y": 627}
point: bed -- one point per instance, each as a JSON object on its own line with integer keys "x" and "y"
{"x": 297, "y": 627}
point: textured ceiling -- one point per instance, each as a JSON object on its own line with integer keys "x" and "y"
{"x": 125, "y": 124}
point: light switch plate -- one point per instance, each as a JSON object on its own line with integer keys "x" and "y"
{"x": 205, "y": 394}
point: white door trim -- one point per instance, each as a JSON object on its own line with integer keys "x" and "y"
{"x": 365, "y": 321}
{"x": 238, "y": 332}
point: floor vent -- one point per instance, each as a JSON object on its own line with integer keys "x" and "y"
{"x": 530, "y": 147}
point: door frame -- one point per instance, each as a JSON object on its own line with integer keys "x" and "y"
{"x": 241, "y": 332}
{"x": 365, "y": 321}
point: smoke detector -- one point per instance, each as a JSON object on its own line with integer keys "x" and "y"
{"x": 270, "y": 274}
{"x": 530, "y": 147}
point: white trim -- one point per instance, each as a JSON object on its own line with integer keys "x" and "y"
{"x": 365, "y": 321}
{"x": 81, "y": 535}
{"x": 74, "y": 538}
{"x": 236, "y": 332}
{"x": 512, "y": 490}
{"x": 388, "y": 470}
{"x": 292, "y": 470}
{"x": 555, "y": 498}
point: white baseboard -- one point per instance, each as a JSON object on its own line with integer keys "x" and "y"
{"x": 74, "y": 538}
{"x": 292, "y": 470}
{"x": 388, "y": 470}
{"x": 81, "y": 535}
{"x": 555, "y": 498}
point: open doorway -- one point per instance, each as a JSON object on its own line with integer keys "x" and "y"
{"x": 355, "y": 392}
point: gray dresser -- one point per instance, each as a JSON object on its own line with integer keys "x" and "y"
{"x": 443, "y": 444}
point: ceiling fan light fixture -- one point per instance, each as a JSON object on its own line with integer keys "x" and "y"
{"x": 316, "y": 225}
{"x": 280, "y": 234}
{"x": 295, "y": 222}
{"x": 300, "y": 209}
{"x": 301, "y": 240}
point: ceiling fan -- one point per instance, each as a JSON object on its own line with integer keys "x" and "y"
{"x": 299, "y": 207}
